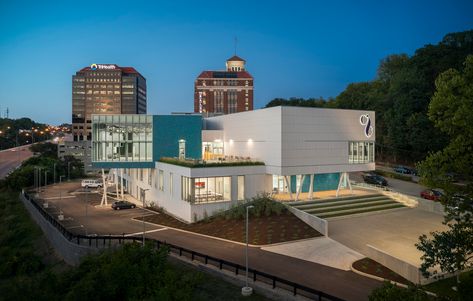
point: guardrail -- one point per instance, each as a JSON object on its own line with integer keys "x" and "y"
{"x": 107, "y": 241}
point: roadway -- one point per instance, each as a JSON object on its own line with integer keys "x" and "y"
{"x": 12, "y": 158}
{"x": 404, "y": 187}
{"x": 82, "y": 214}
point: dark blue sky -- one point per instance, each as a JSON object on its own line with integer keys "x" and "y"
{"x": 292, "y": 48}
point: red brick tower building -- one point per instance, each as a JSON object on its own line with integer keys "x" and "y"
{"x": 224, "y": 92}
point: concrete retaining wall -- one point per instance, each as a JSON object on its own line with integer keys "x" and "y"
{"x": 431, "y": 206}
{"x": 317, "y": 223}
{"x": 70, "y": 252}
{"x": 405, "y": 269}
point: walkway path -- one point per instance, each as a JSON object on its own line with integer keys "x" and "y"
{"x": 343, "y": 284}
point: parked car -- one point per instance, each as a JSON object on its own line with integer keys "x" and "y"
{"x": 431, "y": 194}
{"x": 91, "y": 183}
{"x": 118, "y": 205}
{"x": 375, "y": 179}
{"x": 402, "y": 169}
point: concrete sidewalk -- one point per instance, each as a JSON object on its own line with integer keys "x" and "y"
{"x": 343, "y": 284}
{"x": 322, "y": 250}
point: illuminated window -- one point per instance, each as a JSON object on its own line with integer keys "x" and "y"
{"x": 361, "y": 152}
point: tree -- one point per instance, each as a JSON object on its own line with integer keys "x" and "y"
{"x": 392, "y": 292}
{"x": 400, "y": 95}
{"x": 451, "y": 110}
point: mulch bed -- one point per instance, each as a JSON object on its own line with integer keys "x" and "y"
{"x": 262, "y": 230}
{"x": 369, "y": 266}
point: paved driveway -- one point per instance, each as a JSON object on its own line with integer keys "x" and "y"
{"x": 395, "y": 232}
{"x": 321, "y": 250}
{"x": 343, "y": 284}
{"x": 405, "y": 187}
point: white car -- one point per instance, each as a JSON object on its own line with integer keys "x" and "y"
{"x": 91, "y": 183}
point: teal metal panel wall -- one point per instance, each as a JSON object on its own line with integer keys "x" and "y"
{"x": 169, "y": 129}
{"x": 322, "y": 182}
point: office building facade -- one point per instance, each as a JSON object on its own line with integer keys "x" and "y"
{"x": 194, "y": 166}
{"x": 224, "y": 92}
{"x": 101, "y": 89}
{"x": 105, "y": 89}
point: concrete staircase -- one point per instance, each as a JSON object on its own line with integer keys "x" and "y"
{"x": 347, "y": 205}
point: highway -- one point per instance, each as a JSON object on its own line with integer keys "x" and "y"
{"x": 12, "y": 157}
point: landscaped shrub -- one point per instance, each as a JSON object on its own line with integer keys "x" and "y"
{"x": 197, "y": 164}
{"x": 263, "y": 205}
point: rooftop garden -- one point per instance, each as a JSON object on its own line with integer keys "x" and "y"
{"x": 201, "y": 163}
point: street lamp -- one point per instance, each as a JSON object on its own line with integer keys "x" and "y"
{"x": 86, "y": 189}
{"x": 46, "y": 178}
{"x": 247, "y": 291}
{"x": 143, "y": 194}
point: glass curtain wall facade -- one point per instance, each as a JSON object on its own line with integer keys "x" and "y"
{"x": 122, "y": 138}
{"x": 360, "y": 152}
{"x": 206, "y": 190}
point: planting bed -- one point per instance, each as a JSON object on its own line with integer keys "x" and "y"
{"x": 369, "y": 266}
{"x": 263, "y": 230}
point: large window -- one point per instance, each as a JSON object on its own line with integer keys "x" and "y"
{"x": 212, "y": 150}
{"x": 206, "y": 190}
{"x": 360, "y": 152}
{"x": 241, "y": 188}
{"x": 218, "y": 101}
{"x": 122, "y": 138}
{"x": 232, "y": 101}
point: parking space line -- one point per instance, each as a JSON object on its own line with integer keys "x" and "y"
{"x": 151, "y": 231}
{"x": 73, "y": 227}
{"x": 57, "y": 197}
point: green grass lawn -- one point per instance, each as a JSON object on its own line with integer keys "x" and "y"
{"x": 212, "y": 286}
{"x": 30, "y": 271}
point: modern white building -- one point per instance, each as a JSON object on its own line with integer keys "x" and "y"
{"x": 193, "y": 166}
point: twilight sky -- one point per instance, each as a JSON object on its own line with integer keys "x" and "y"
{"x": 292, "y": 48}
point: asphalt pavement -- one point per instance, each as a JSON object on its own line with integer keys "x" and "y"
{"x": 12, "y": 158}
{"x": 82, "y": 214}
{"x": 404, "y": 187}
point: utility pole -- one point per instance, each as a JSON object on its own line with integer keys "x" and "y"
{"x": 247, "y": 291}
{"x": 143, "y": 194}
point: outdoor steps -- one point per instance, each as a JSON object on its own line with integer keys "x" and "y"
{"x": 395, "y": 205}
{"x": 336, "y": 202}
{"x": 347, "y": 205}
{"x": 356, "y": 205}
{"x": 335, "y": 199}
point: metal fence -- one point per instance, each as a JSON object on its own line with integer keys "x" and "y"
{"x": 107, "y": 241}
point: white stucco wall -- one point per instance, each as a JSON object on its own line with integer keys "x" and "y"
{"x": 256, "y": 182}
{"x": 294, "y": 140}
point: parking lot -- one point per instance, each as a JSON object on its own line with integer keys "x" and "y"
{"x": 84, "y": 215}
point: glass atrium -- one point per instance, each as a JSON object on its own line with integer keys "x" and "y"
{"x": 122, "y": 138}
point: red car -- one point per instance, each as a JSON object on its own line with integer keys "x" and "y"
{"x": 431, "y": 194}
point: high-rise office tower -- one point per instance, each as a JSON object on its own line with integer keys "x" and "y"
{"x": 105, "y": 89}
{"x": 101, "y": 89}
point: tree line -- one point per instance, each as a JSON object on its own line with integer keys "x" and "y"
{"x": 400, "y": 95}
